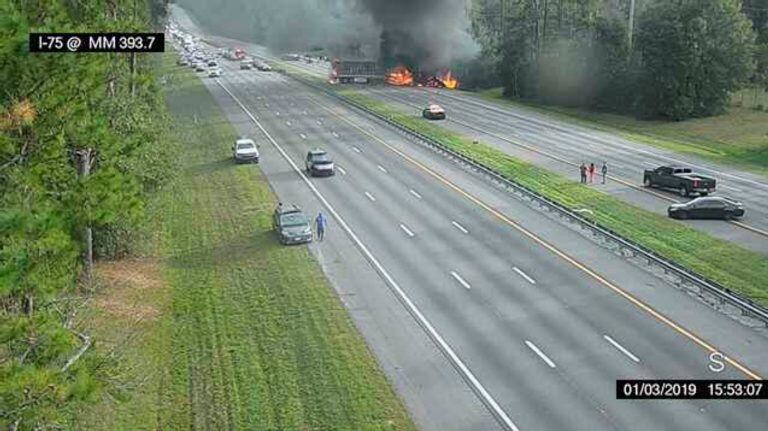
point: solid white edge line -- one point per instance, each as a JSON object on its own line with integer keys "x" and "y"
{"x": 541, "y": 354}
{"x": 343, "y": 172}
{"x": 459, "y": 227}
{"x": 370, "y": 196}
{"x": 524, "y": 275}
{"x": 621, "y": 348}
{"x": 461, "y": 281}
{"x": 303, "y": 136}
{"x": 413, "y": 192}
{"x": 466, "y": 373}
{"x": 406, "y": 230}
{"x": 382, "y": 169}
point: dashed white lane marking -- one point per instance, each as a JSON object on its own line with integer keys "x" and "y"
{"x": 319, "y": 123}
{"x": 370, "y": 196}
{"x": 461, "y": 281}
{"x": 406, "y": 230}
{"x": 413, "y": 192}
{"x": 731, "y": 188}
{"x": 343, "y": 172}
{"x": 621, "y": 348}
{"x": 524, "y": 275}
{"x": 459, "y": 227}
{"x": 541, "y": 354}
{"x": 303, "y": 136}
{"x": 357, "y": 149}
{"x": 335, "y": 135}
{"x": 277, "y": 113}
{"x": 381, "y": 168}
{"x": 288, "y": 123}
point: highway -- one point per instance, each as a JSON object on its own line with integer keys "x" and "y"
{"x": 484, "y": 312}
{"x": 560, "y": 147}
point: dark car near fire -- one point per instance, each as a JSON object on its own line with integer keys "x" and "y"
{"x": 707, "y": 208}
{"x": 434, "y": 112}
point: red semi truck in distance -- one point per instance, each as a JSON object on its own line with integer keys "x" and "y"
{"x": 239, "y": 53}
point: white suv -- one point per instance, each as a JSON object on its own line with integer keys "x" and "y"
{"x": 245, "y": 151}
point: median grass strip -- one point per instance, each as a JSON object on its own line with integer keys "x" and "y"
{"x": 736, "y": 268}
{"x": 739, "y": 137}
{"x": 256, "y": 339}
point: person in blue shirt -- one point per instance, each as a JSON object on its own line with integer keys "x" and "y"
{"x": 321, "y": 223}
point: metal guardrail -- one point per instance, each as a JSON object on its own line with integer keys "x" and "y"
{"x": 747, "y": 306}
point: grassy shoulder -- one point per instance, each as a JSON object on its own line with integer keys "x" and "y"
{"x": 739, "y": 269}
{"x": 739, "y": 137}
{"x": 244, "y": 333}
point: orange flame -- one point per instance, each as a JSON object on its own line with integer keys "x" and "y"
{"x": 449, "y": 81}
{"x": 400, "y": 75}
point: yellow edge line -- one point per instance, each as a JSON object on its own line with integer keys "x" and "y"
{"x": 637, "y": 302}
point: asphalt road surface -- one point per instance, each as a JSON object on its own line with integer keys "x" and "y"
{"x": 538, "y": 321}
{"x": 561, "y": 147}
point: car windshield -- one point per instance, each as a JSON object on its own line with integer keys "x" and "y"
{"x": 321, "y": 158}
{"x": 245, "y": 146}
{"x": 293, "y": 219}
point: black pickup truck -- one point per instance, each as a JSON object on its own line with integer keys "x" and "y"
{"x": 683, "y": 180}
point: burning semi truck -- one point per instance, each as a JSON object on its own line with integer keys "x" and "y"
{"x": 369, "y": 72}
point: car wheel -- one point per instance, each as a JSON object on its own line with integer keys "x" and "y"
{"x": 703, "y": 194}
{"x": 683, "y": 191}
{"x": 647, "y": 182}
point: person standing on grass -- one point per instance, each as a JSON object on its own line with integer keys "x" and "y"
{"x": 321, "y": 223}
{"x": 604, "y": 171}
{"x": 583, "y": 172}
{"x": 591, "y": 173}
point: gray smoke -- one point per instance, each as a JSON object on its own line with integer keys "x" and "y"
{"x": 426, "y": 33}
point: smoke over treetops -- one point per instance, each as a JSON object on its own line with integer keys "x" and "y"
{"x": 431, "y": 33}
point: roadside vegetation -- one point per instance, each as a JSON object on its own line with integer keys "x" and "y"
{"x": 82, "y": 150}
{"x": 238, "y": 332}
{"x": 736, "y": 268}
{"x": 739, "y": 137}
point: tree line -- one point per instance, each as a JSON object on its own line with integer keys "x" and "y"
{"x": 81, "y": 149}
{"x": 674, "y": 59}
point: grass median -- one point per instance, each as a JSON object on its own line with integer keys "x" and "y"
{"x": 738, "y": 269}
{"x": 248, "y": 334}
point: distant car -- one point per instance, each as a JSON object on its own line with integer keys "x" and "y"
{"x": 292, "y": 225}
{"x": 182, "y": 62}
{"x": 714, "y": 207}
{"x": 681, "y": 179}
{"x": 212, "y": 63}
{"x": 433, "y": 112}
{"x": 246, "y": 65}
{"x": 200, "y": 67}
{"x": 264, "y": 67}
{"x": 318, "y": 163}
{"x": 245, "y": 151}
{"x": 214, "y": 73}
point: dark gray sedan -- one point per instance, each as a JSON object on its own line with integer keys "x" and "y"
{"x": 707, "y": 208}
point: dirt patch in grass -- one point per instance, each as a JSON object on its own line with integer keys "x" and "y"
{"x": 123, "y": 282}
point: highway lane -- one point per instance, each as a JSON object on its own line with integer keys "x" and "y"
{"x": 561, "y": 148}
{"x": 499, "y": 304}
